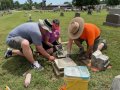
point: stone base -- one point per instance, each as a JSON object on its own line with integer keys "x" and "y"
{"x": 60, "y": 64}
{"x": 56, "y": 71}
{"x": 64, "y": 62}
{"x": 111, "y": 24}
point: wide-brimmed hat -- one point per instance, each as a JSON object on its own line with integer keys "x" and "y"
{"x": 45, "y": 25}
{"x": 76, "y": 27}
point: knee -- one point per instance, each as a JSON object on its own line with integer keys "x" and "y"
{"x": 25, "y": 43}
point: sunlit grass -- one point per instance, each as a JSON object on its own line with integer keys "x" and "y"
{"x": 11, "y": 70}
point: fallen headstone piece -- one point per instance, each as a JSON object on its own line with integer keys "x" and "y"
{"x": 99, "y": 60}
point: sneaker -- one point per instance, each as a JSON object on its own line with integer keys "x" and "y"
{"x": 8, "y": 53}
{"x": 36, "y": 65}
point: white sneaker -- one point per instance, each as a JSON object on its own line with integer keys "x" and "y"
{"x": 36, "y": 65}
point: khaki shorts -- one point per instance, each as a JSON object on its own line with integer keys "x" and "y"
{"x": 15, "y": 42}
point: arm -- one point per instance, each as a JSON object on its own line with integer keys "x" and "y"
{"x": 69, "y": 46}
{"x": 89, "y": 51}
{"x": 47, "y": 41}
{"x": 41, "y": 50}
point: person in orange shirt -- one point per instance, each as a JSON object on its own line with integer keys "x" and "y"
{"x": 79, "y": 31}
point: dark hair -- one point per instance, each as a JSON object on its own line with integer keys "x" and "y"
{"x": 56, "y": 21}
{"x": 48, "y": 23}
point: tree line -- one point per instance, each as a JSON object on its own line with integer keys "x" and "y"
{"x": 10, "y": 4}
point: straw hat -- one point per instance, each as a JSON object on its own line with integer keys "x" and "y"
{"x": 44, "y": 25}
{"x": 76, "y": 27}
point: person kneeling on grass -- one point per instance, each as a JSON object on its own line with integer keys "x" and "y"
{"x": 50, "y": 40}
{"x": 25, "y": 34}
{"x": 79, "y": 31}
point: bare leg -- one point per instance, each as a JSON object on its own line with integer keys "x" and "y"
{"x": 17, "y": 52}
{"x": 27, "y": 51}
{"x": 100, "y": 46}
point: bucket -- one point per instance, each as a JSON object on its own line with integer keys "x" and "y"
{"x": 76, "y": 77}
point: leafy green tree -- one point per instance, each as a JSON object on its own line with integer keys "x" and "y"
{"x": 85, "y": 2}
{"x": 81, "y": 3}
{"x": 112, "y": 2}
{"x": 6, "y": 4}
{"x": 16, "y": 5}
{"x": 30, "y": 2}
{"x": 68, "y": 3}
{"x": 26, "y": 6}
{"x": 37, "y": 5}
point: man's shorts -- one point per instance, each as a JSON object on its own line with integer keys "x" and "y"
{"x": 15, "y": 42}
{"x": 96, "y": 43}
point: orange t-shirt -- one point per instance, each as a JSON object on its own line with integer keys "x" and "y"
{"x": 90, "y": 33}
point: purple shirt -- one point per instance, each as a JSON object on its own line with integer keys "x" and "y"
{"x": 53, "y": 36}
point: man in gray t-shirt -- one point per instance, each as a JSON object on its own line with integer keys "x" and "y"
{"x": 25, "y": 34}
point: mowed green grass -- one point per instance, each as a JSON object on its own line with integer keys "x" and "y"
{"x": 12, "y": 69}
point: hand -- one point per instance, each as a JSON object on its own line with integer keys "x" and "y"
{"x": 51, "y": 58}
{"x": 86, "y": 55}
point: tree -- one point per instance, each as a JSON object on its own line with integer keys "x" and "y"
{"x": 30, "y": 2}
{"x": 26, "y": 6}
{"x": 68, "y": 3}
{"x": 112, "y": 2}
{"x": 85, "y": 2}
{"x": 6, "y": 4}
{"x": 16, "y": 5}
{"x": 81, "y": 3}
{"x": 94, "y": 2}
{"x": 37, "y": 5}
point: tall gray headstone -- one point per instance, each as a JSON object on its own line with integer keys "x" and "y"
{"x": 113, "y": 18}
{"x": 114, "y": 11}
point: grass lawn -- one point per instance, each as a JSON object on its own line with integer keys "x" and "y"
{"x": 12, "y": 69}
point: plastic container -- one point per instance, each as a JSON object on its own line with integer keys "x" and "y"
{"x": 76, "y": 77}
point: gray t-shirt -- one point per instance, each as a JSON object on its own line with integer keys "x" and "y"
{"x": 29, "y": 31}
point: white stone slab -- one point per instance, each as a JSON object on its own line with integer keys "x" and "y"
{"x": 64, "y": 62}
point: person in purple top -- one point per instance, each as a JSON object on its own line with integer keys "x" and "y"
{"x": 51, "y": 39}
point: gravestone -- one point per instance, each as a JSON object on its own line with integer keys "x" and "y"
{"x": 98, "y": 9}
{"x": 89, "y": 12}
{"x": 114, "y": 11}
{"x": 60, "y": 64}
{"x": 113, "y": 18}
{"x": 77, "y": 14}
{"x": 1, "y": 13}
{"x": 116, "y": 83}
{"x": 99, "y": 60}
{"x": 62, "y": 14}
{"x": 25, "y": 14}
{"x": 30, "y": 18}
